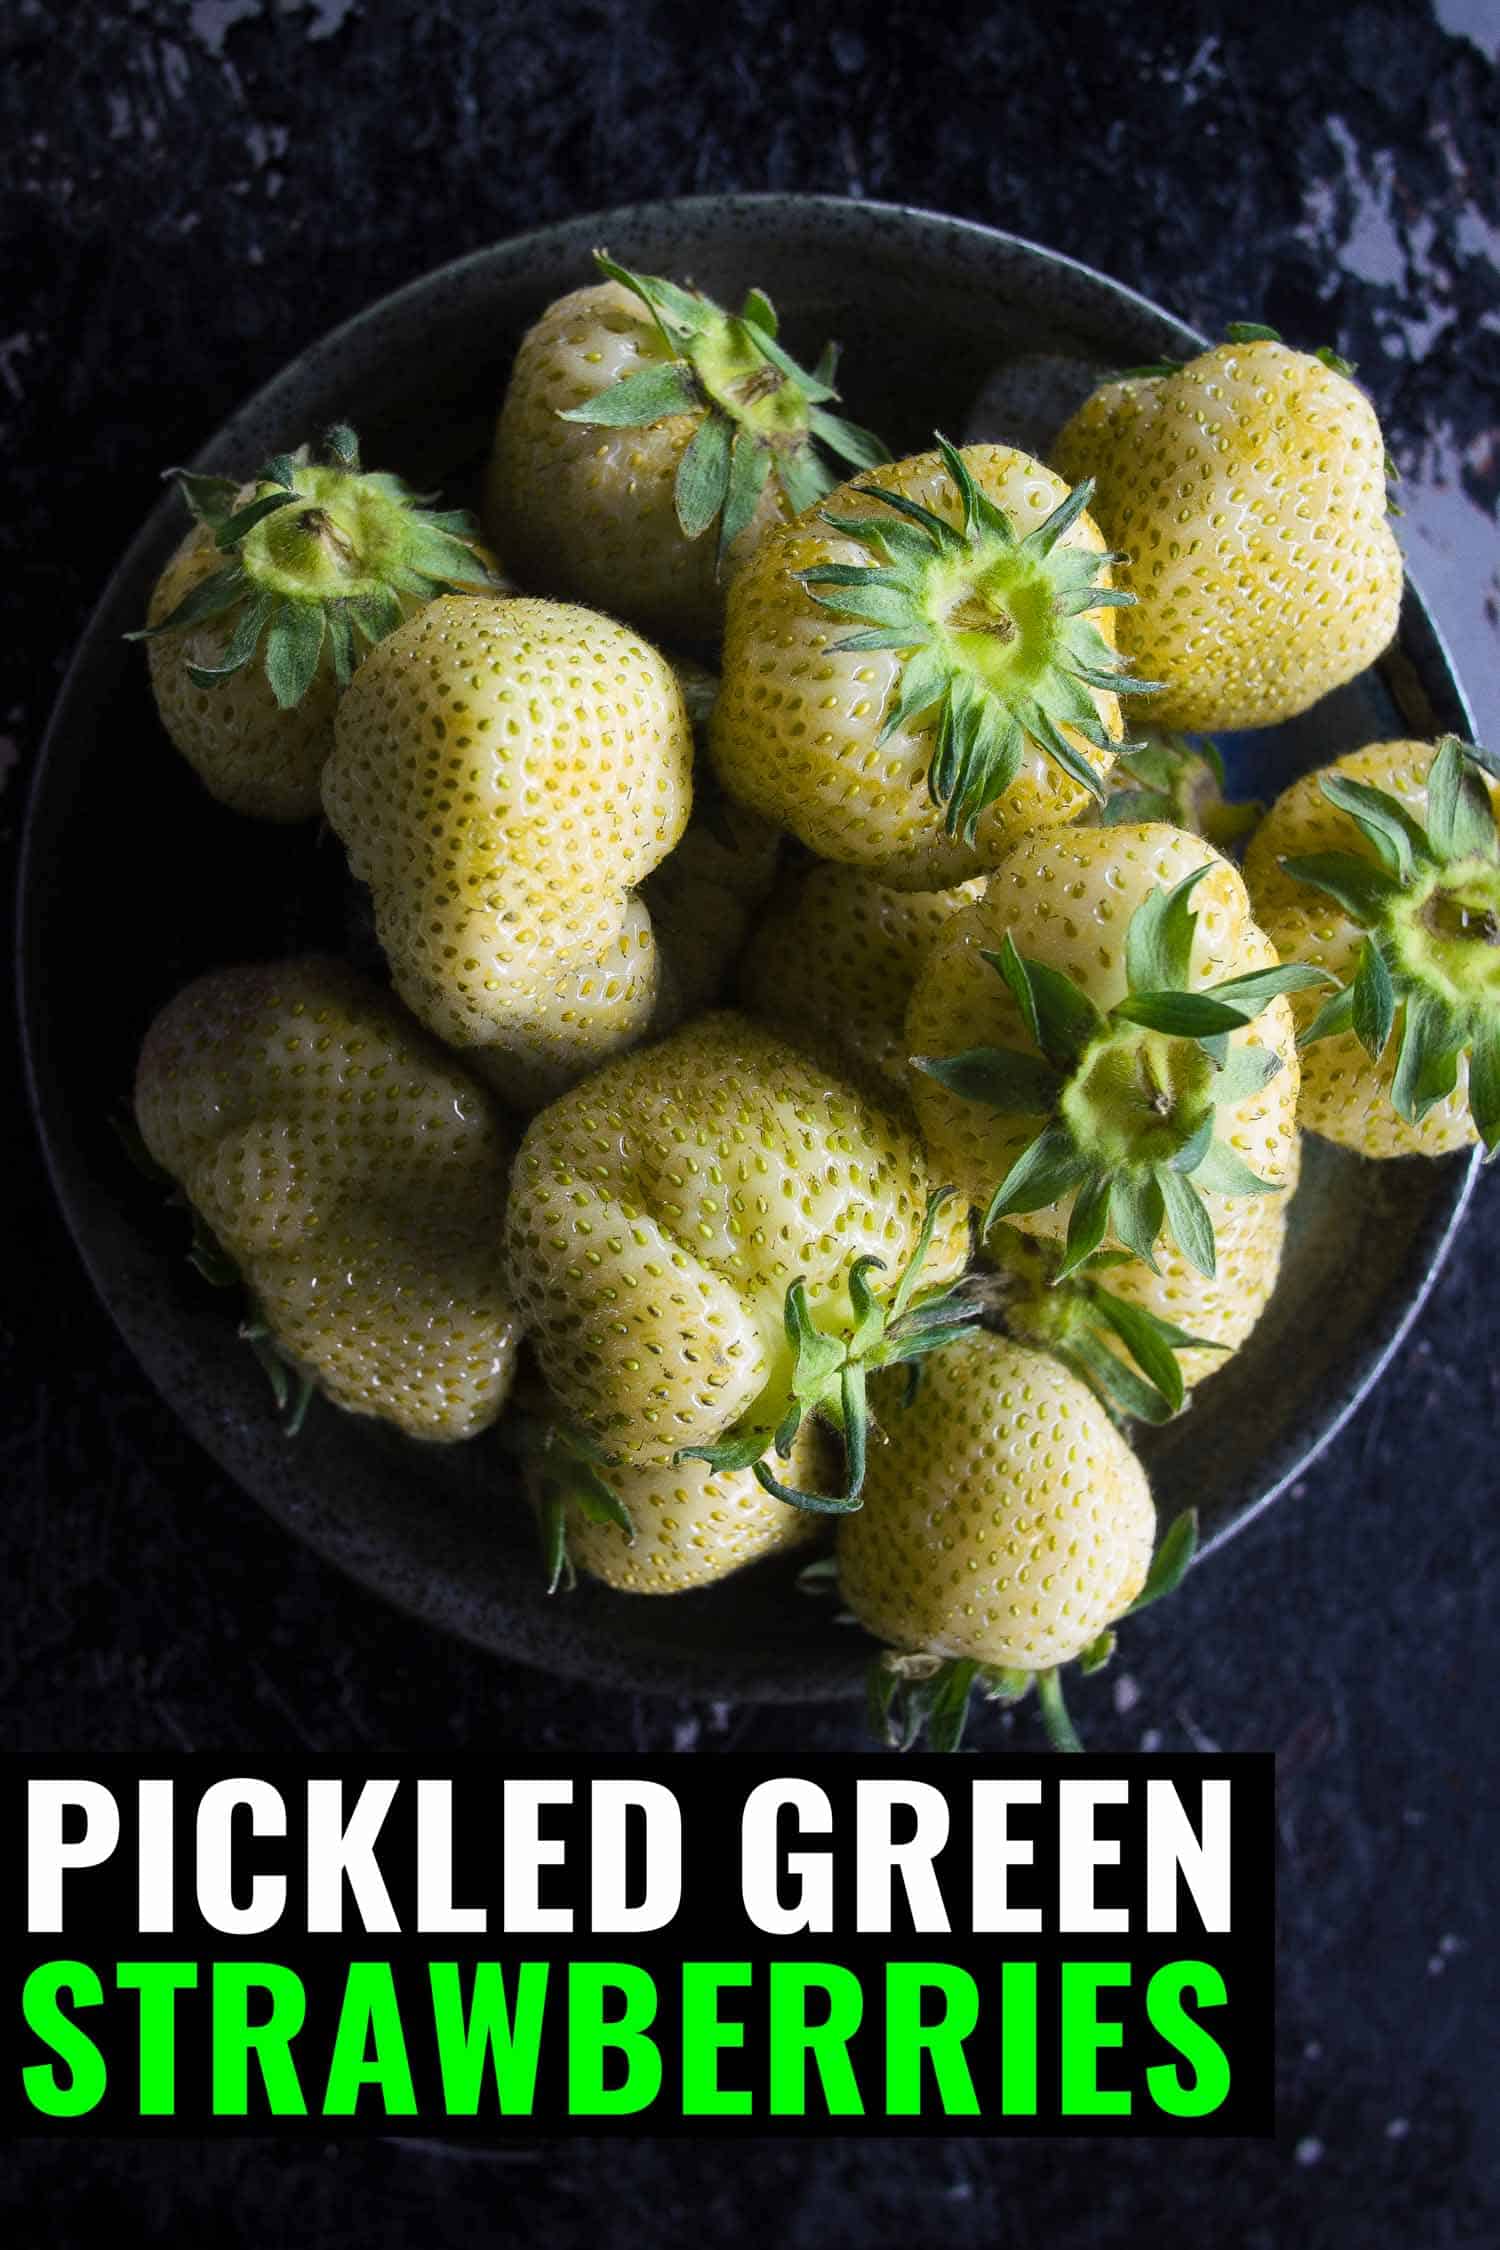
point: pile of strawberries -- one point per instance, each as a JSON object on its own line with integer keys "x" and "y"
{"x": 833, "y": 1073}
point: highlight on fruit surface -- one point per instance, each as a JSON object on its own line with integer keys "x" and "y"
{"x": 1248, "y": 489}
{"x": 1136, "y": 1098}
{"x": 1007, "y": 1525}
{"x": 924, "y": 668}
{"x": 1384, "y": 870}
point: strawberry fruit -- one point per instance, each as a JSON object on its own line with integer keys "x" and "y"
{"x": 1247, "y": 491}
{"x": 1384, "y": 871}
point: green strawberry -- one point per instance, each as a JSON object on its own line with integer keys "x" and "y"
{"x": 1101, "y": 1044}
{"x": 832, "y": 963}
{"x": 356, "y": 1177}
{"x": 649, "y": 440}
{"x": 924, "y": 668}
{"x": 1006, "y": 1526}
{"x": 1248, "y": 492}
{"x": 505, "y": 774}
{"x": 1384, "y": 871}
{"x": 270, "y": 602}
{"x": 711, "y": 1239}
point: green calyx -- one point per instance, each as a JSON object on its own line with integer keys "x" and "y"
{"x": 912, "y": 1695}
{"x": 830, "y": 1371}
{"x": 292, "y": 1388}
{"x": 1002, "y": 648}
{"x": 1086, "y": 1326}
{"x": 323, "y": 551}
{"x": 1130, "y": 1100}
{"x": 562, "y": 1473}
{"x": 1429, "y": 900}
{"x": 1178, "y": 779}
{"x": 763, "y": 414}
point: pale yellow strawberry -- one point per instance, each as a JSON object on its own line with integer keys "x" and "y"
{"x": 839, "y": 740}
{"x": 1249, "y": 1238}
{"x": 246, "y": 750}
{"x": 505, "y": 774}
{"x": 1247, "y": 491}
{"x": 703, "y": 900}
{"x": 1439, "y": 937}
{"x": 832, "y": 963}
{"x": 693, "y": 1524}
{"x": 1136, "y": 1098}
{"x": 356, "y": 1176}
{"x": 611, "y": 392}
{"x": 1006, "y": 1520}
{"x": 1075, "y": 1318}
{"x": 251, "y": 631}
{"x": 662, "y": 1211}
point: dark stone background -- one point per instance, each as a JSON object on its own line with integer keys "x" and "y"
{"x": 189, "y": 193}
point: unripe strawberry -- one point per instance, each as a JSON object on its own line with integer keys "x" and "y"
{"x": 865, "y": 943}
{"x": 649, "y": 440}
{"x": 1248, "y": 492}
{"x": 689, "y": 1237}
{"x": 269, "y": 603}
{"x": 1177, "y": 779}
{"x": 1384, "y": 870}
{"x": 354, "y": 1174}
{"x": 1006, "y": 1520}
{"x": 703, "y": 900}
{"x": 505, "y": 774}
{"x": 664, "y": 1529}
{"x": 1102, "y": 1047}
{"x": 925, "y": 668}
{"x": 1141, "y": 1335}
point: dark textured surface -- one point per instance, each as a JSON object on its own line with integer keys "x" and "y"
{"x": 190, "y": 193}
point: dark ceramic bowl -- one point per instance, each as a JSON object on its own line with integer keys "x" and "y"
{"x": 133, "y": 881}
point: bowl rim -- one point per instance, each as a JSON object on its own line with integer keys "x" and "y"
{"x": 1372, "y": 1349}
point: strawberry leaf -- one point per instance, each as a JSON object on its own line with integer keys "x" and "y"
{"x": 1137, "y": 1213}
{"x": 1386, "y": 825}
{"x": 1460, "y": 820}
{"x": 1484, "y": 1084}
{"x": 1171, "y": 1562}
{"x": 1373, "y": 999}
{"x": 1187, "y": 1219}
{"x": 1364, "y": 891}
{"x": 1220, "y": 1172}
{"x": 1000, "y": 1076}
{"x": 294, "y": 643}
{"x": 1086, "y": 1223}
{"x": 1159, "y": 940}
{"x": 1042, "y": 1174}
{"x": 639, "y": 400}
{"x": 702, "y": 485}
{"x": 1427, "y": 1068}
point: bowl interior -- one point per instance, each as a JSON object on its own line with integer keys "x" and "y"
{"x": 132, "y": 873}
